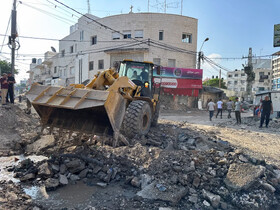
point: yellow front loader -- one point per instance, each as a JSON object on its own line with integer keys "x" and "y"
{"x": 112, "y": 103}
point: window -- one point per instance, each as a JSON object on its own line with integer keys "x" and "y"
{"x": 72, "y": 70}
{"x": 93, "y": 40}
{"x": 236, "y": 75}
{"x": 230, "y": 75}
{"x": 126, "y": 34}
{"x": 55, "y": 70}
{"x": 60, "y": 73}
{"x": 235, "y": 82}
{"x": 261, "y": 73}
{"x": 156, "y": 61}
{"x": 72, "y": 49}
{"x": 81, "y": 35}
{"x": 171, "y": 62}
{"x": 116, "y": 35}
{"x": 261, "y": 88}
{"x": 268, "y": 73}
{"x": 229, "y": 82}
{"x": 62, "y": 53}
{"x": 138, "y": 33}
{"x": 65, "y": 72}
{"x": 90, "y": 66}
{"x": 243, "y": 81}
{"x": 160, "y": 35}
{"x": 242, "y": 89}
{"x": 242, "y": 74}
{"x": 100, "y": 64}
{"x": 186, "y": 38}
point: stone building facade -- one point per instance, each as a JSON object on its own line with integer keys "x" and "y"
{"x": 165, "y": 39}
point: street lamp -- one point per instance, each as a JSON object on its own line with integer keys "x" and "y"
{"x": 200, "y": 53}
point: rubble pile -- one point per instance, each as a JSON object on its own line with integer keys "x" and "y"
{"x": 17, "y": 129}
{"x": 184, "y": 170}
{"x": 12, "y": 197}
{"x": 253, "y": 121}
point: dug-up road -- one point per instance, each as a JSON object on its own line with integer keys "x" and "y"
{"x": 259, "y": 143}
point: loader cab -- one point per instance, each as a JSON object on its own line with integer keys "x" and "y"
{"x": 140, "y": 73}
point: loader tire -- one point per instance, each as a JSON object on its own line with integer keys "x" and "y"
{"x": 137, "y": 119}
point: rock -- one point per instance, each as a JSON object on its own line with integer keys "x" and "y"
{"x": 224, "y": 205}
{"x": 51, "y": 183}
{"x": 107, "y": 178}
{"x": 101, "y": 184}
{"x": 27, "y": 177}
{"x": 223, "y": 161}
{"x": 41, "y": 144}
{"x": 135, "y": 182}
{"x": 196, "y": 182}
{"x": 83, "y": 173}
{"x": 96, "y": 169}
{"x": 11, "y": 196}
{"x": 268, "y": 187}
{"x": 145, "y": 180}
{"x": 44, "y": 170}
{"x": 191, "y": 142}
{"x": 62, "y": 168}
{"x": 75, "y": 166}
{"x": 55, "y": 167}
{"x": 177, "y": 168}
{"x": 193, "y": 199}
{"x": 174, "y": 193}
{"x": 214, "y": 199}
{"x": 205, "y": 203}
{"x": 242, "y": 175}
{"x": 243, "y": 159}
{"x": 63, "y": 179}
{"x": 74, "y": 177}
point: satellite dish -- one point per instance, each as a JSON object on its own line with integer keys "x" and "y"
{"x": 53, "y": 49}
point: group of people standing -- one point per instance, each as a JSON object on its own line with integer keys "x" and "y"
{"x": 7, "y": 88}
{"x": 265, "y": 109}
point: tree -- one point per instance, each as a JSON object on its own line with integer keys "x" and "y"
{"x": 5, "y": 67}
{"x": 215, "y": 83}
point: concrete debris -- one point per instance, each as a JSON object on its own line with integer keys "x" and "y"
{"x": 175, "y": 167}
{"x": 243, "y": 175}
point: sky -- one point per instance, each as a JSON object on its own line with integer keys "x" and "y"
{"x": 232, "y": 26}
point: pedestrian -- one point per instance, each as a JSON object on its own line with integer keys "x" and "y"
{"x": 237, "y": 110}
{"x": 229, "y": 108}
{"x": 11, "y": 82}
{"x": 220, "y": 108}
{"x": 211, "y": 108}
{"x": 267, "y": 109}
{"x": 4, "y": 88}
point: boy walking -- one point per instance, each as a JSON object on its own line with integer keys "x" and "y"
{"x": 238, "y": 111}
{"x": 211, "y": 108}
{"x": 229, "y": 108}
{"x": 220, "y": 108}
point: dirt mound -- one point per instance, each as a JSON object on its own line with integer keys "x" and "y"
{"x": 16, "y": 129}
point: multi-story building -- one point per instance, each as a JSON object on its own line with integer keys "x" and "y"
{"x": 237, "y": 80}
{"x": 276, "y": 72}
{"x": 165, "y": 39}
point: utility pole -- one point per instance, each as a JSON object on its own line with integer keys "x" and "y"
{"x": 199, "y": 59}
{"x": 220, "y": 75}
{"x": 13, "y": 35}
{"x": 250, "y": 75}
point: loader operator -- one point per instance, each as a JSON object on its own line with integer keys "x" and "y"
{"x": 144, "y": 75}
{"x": 135, "y": 76}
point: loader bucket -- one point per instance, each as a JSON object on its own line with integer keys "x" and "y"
{"x": 78, "y": 110}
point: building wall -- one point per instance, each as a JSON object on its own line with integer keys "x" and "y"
{"x": 276, "y": 73}
{"x": 77, "y": 54}
{"x": 236, "y": 80}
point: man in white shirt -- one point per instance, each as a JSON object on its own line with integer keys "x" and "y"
{"x": 238, "y": 108}
{"x": 211, "y": 108}
{"x": 220, "y": 108}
